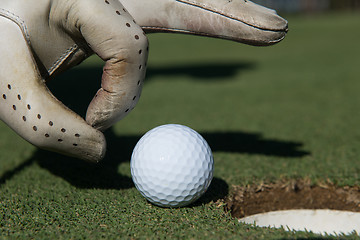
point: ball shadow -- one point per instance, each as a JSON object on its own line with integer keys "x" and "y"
{"x": 105, "y": 175}
{"x": 76, "y": 88}
{"x": 217, "y": 190}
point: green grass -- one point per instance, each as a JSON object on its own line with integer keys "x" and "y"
{"x": 286, "y": 111}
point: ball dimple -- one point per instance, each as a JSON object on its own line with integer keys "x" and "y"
{"x": 170, "y": 165}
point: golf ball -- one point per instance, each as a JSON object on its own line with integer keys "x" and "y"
{"x": 172, "y": 165}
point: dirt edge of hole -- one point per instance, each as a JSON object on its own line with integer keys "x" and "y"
{"x": 291, "y": 194}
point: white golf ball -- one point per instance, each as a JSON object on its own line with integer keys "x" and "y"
{"x": 172, "y": 165}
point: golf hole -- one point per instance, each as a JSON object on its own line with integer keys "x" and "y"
{"x": 298, "y": 205}
{"x": 320, "y": 221}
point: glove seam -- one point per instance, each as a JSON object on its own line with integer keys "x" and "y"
{"x": 16, "y": 19}
{"x": 22, "y": 25}
{"x": 63, "y": 58}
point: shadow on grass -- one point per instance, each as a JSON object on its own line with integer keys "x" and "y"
{"x": 207, "y": 71}
{"x": 253, "y": 143}
{"x": 217, "y": 190}
{"x": 77, "y": 87}
{"x": 105, "y": 174}
{"x": 9, "y": 174}
{"x": 315, "y": 238}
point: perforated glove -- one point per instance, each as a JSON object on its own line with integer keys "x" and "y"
{"x": 41, "y": 38}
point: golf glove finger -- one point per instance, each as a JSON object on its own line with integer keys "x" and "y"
{"x": 43, "y": 38}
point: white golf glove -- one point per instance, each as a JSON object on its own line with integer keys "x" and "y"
{"x": 41, "y": 38}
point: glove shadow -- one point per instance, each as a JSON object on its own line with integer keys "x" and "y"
{"x": 81, "y": 174}
{"x": 77, "y": 87}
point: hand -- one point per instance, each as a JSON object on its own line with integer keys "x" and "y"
{"x": 42, "y": 38}
{"x": 39, "y": 42}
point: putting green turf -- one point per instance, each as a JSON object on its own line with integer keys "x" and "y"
{"x": 286, "y": 111}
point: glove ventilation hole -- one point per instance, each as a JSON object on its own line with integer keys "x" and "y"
{"x": 28, "y": 119}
